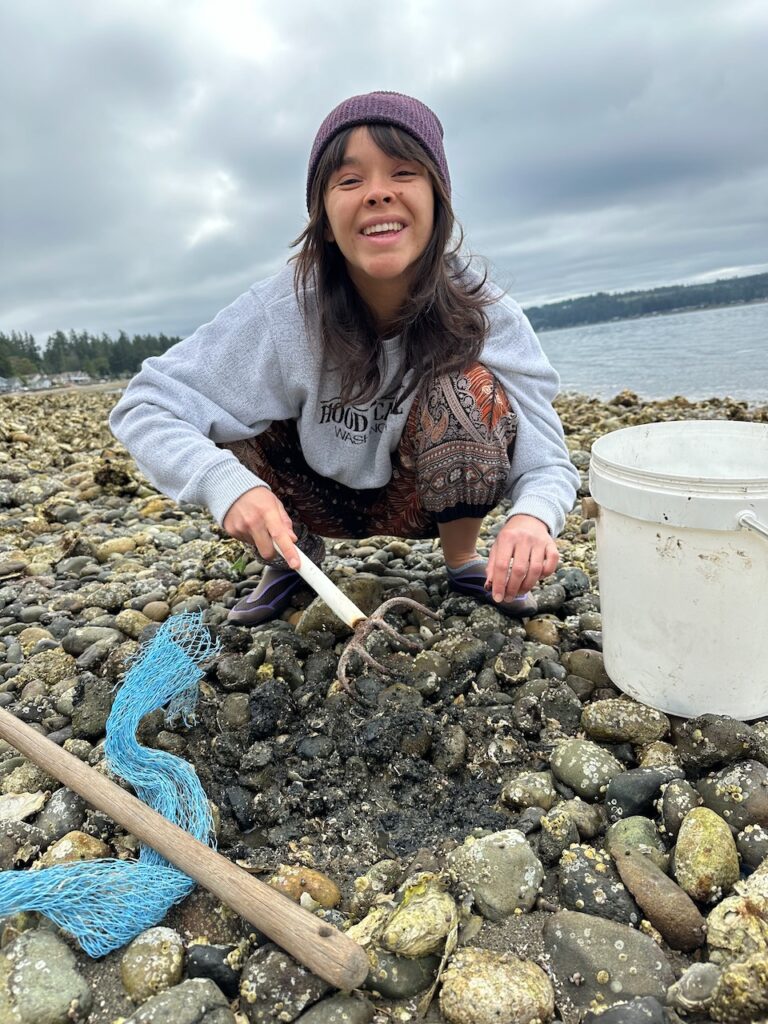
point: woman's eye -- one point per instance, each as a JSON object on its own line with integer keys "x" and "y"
{"x": 410, "y": 174}
{"x": 348, "y": 181}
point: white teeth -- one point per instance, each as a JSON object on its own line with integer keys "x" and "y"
{"x": 376, "y": 229}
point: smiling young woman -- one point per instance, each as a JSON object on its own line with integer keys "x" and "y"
{"x": 381, "y": 385}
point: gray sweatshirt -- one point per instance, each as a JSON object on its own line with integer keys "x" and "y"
{"x": 259, "y": 361}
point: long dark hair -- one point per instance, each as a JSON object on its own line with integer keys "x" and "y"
{"x": 442, "y": 322}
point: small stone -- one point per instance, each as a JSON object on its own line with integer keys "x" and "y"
{"x": 588, "y": 882}
{"x": 293, "y": 881}
{"x": 216, "y": 963}
{"x": 738, "y": 794}
{"x": 339, "y": 1009}
{"x": 132, "y": 623}
{"x": 500, "y": 870}
{"x": 584, "y": 767}
{"x": 641, "y": 1010}
{"x": 195, "y": 1001}
{"x": 480, "y": 986}
{"x": 152, "y": 963}
{"x": 156, "y": 611}
{"x": 589, "y": 819}
{"x": 621, "y": 720}
{"x": 399, "y": 977}
{"x": 74, "y": 847}
{"x": 639, "y": 835}
{"x": 752, "y": 844}
{"x": 741, "y": 996}
{"x": 678, "y": 798}
{"x": 530, "y": 789}
{"x": 39, "y": 982}
{"x": 587, "y": 664}
{"x": 633, "y": 792}
{"x": 274, "y": 987}
{"x": 669, "y": 909}
{"x": 558, "y": 832}
{"x": 706, "y": 859}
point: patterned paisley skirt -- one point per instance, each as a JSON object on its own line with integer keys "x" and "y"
{"x": 452, "y": 462}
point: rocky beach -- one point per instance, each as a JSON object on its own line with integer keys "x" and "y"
{"x": 511, "y": 839}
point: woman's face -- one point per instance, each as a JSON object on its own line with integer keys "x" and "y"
{"x": 380, "y": 211}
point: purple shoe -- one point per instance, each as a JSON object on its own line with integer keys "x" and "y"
{"x": 470, "y": 580}
{"x": 268, "y": 600}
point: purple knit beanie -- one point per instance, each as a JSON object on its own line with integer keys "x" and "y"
{"x": 394, "y": 108}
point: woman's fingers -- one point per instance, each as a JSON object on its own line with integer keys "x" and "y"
{"x": 522, "y": 554}
{"x": 259, "y": 518}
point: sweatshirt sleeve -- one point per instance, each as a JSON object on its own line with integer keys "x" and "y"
{"x": 542, "y": 481}
{"x": 223, "y": 383}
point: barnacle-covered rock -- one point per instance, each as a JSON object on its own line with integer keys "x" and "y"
{"x": 741, "y": 996}
{"x": 706, "y": 859}
{"x": 481, "y": 986}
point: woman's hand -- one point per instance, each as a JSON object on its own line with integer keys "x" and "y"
{"x": 522, "y": 554}
{"x": 259, "y": 518}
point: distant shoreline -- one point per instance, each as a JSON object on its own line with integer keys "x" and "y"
{"x": 652, "y": 316}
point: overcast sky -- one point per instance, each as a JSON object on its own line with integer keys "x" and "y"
{"x": 153, "y": 152}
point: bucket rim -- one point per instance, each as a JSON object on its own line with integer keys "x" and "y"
{"x": 744, "y": 486}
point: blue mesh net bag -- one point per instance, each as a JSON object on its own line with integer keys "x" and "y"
{"x": 106, "y": 903}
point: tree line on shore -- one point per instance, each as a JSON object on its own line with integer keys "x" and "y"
{"x": 78, "y": 351}
{"x": 103, "y": 356}
{"x": 603, "y": 306}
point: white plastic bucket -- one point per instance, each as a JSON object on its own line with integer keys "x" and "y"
{"x": 682, "y": 555}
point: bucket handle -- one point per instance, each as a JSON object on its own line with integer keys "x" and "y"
{"x": 749, "y": 521}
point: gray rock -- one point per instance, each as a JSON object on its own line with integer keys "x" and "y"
{"x": 639, "y": 835}
{"x": 633, "y": 792}
{"x": 589, "y": 819}
{"x": 621, "y": 720}
{"x": 584, "y": 767}
{"x": 152, "y": 963}
{"x": 92, "y": 703}
{"x": 558, "y": 832}
{"x": 40, "y": 983}
{"x": 752, "y": 844}
{"x": 196, "y": 1001}
{"x": 739, "y": 794}
{"x": 642, "y": 1010}
{"x": 338, "y": 1009}
{"x": 596, "y": 959}
{"x": 678, "y": 798}
{"x": 363, "y": 589}
{"x": 273, "y": 986}
{"x": 399, "y": 977}
{"x": 588, "y": 882}
{"x": 501, "y": 871}
{"x": 529, "y": 789}
{"x": 713, "y": 740}
{"x": 587, "y": 664}
{"x": 78, "y": 640}
{"x": 64, "y": 812}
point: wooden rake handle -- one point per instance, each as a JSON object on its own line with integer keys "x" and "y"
{"x": 322, "y": 948}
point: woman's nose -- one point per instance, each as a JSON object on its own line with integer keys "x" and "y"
{"x": 378, "y": 193}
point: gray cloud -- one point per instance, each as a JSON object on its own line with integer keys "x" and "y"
{"x": 154, "y": 153}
